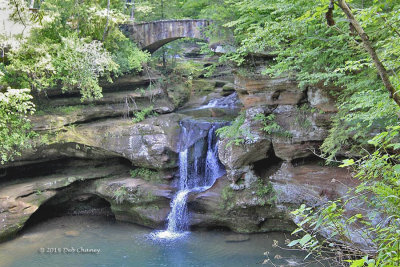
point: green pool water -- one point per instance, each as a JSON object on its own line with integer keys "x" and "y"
{"x": 95, "y": 241}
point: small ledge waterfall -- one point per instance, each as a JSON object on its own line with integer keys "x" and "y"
{"x": 231, "y": 101}
{"x": 199, "y": 168}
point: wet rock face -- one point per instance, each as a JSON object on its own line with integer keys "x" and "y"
{"x": 195, "y": 130}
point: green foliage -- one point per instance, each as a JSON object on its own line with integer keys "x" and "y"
{"x": 143, "y": 114}
{"x": 379, "y": 222}
{"x": 270, "y": 126}
{"x": 74, "y": 63}
{"x": 79, "y": 65}
{"x": 295, "y": 32}
{"x": 77, "y": 43}
{"x": 237, "y": 132}
{"x": 129, "y": 57}
{"x": 265, "y": 192}
{"x": 227, "y": 195}
{"x": 38, "y": 192}
{"x": 120, "y": 194}
{"x": 146, "y": 174}
{"x": 189, "y": 70}
{"x": 15, "y": 127}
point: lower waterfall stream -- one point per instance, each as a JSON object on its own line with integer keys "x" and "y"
{"x": 199, "y": 168}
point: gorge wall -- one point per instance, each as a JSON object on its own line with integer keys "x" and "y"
{"x": 92, "y": 151}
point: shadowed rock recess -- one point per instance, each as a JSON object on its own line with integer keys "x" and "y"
{"x": 91, "y": 158}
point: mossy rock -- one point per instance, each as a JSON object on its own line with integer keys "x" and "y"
{"x": 203, "y": 86}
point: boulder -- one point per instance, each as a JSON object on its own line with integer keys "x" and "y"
{"x": 255, "y": 147}
{"x": 151, "y": 143}
{"x": 289, "y": 150}
{"x": 136, "y": 200}
{"x": 236, "y": 156}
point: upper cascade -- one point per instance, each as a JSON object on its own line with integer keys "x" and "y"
{"x": 231, "y": 101}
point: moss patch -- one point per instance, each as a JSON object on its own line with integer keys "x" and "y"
{"x": 146, "y": 174}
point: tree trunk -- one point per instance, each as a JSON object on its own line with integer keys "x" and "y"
{"x": 77, "y": 16}
{"x": 368, "y": 46}
{"x": 108, "y": 16}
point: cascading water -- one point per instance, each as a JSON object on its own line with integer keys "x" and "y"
{"x": 199, "y": 167}
{"x": 232, "y": 101}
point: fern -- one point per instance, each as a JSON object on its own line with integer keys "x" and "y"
{"x": 270, "y": 126}
{"x": 237, "y": 132}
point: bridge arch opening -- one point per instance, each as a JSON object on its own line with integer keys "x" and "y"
{"x": 174, "y": 42}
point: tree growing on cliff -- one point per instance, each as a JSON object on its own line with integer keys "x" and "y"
{"x": 334, "y": 58}
{"x": 15, "y": 128}
{"x": 356, "y": 58}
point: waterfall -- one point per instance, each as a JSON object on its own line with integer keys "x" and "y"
{"x": 183, "y": 169}
{"x": 213, "y": 165}
{"x": 231, "y": 101}
{"x": 199, "y": 167}
{"x": 178, "y": 217}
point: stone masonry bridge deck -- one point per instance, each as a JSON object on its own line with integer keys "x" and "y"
{"x": 152, "y": 35}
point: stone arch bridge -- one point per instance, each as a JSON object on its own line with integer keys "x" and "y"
{"x": 152, "y": 35}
